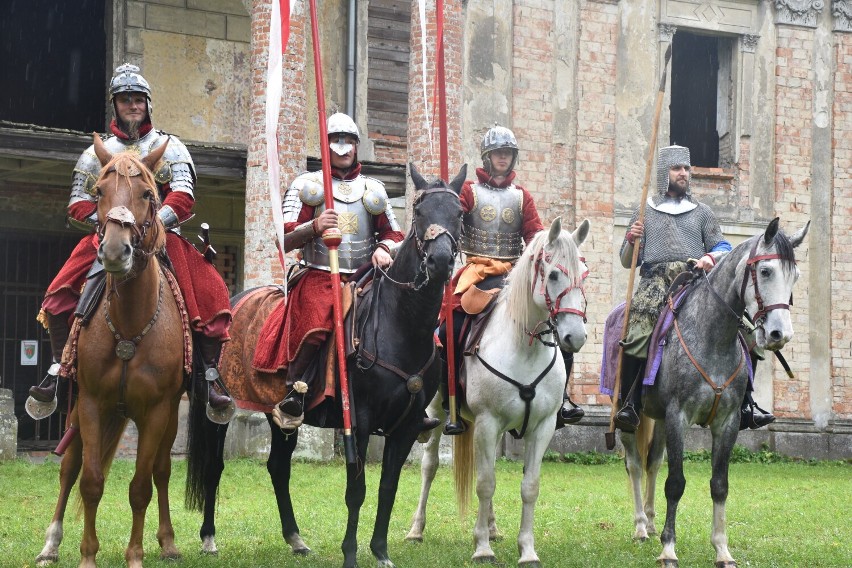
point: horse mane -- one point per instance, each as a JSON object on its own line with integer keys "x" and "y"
{"x": 158, "y": 233}
{"x": 518, "y": 293}
{"x": 785, "y": 251}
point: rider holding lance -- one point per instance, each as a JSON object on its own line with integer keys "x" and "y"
{"x": 204, "y": 291}
{"x": 677, "y": 228}
{"x": 370, "y": 232}
{"x": 500, "y": 218}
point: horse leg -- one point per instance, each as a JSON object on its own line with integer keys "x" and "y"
{"x": 536, "y": 442}
{"x": 486, "y": 438}
{"x": 356, "y": 488}
{"x": 69, "y": 469}
{"x": 162, "y": 474}
{"x": 653, "y": 462}
{"x": 397, "y": 448}
{"x": 633, "y": 466}
{"x": 428, "y": 468}
{"x": 723, "y": 443}
{"x": 279, "y": 467}
{"x": 214, "y": 465}
{"x": 152, "y": 433}
{"x": 675, "y": 483}
{"x": 92, "y": 478}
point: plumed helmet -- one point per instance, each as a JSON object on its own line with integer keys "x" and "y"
{"x": 667, "y": 158}
{"x": 498, "y": 137}
{"x": 128, "y": 80}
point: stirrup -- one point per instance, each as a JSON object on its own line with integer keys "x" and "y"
{"x": 289, "y": 414}
{"x": 570, "y": 415}
{"x": 455, "y": 428}
{"x": 223, "y": 412}
{"x": 627, "y": 419}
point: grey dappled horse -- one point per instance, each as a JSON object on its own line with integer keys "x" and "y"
{"x": 541, "y": 309}
{"x": 757, "y": 278}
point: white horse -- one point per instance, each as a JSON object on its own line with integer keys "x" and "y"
{"x": 515, "y": 381}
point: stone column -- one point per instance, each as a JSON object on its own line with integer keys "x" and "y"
{"x": 595, "y": 170}
{"x": 8, "y": 426}
{"x": 796, "y": 139}
{"x": 261, "y": 256}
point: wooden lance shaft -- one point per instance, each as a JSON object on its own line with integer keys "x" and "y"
{"x": 652, "y": 147}
{"x": 332, "y": 238}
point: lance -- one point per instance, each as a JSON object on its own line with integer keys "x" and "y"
{"x": 449, "y": 348}
{"x": 652, "y": 146}
{"x": 332, "y": 238}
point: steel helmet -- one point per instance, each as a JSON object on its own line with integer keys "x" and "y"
{"x": 498, "y": 137}
{"x": 340, "y": 123}
{"x": 128, "y": 80}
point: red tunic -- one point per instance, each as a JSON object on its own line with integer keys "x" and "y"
{"x": 204, "y": 291}
{"x": 530, "y": 227}
{"x": 308, "y": 314}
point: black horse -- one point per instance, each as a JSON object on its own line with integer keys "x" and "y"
{"x": 393, "y": 375}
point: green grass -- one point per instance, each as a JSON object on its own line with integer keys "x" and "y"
{"x": 781, "y": 513}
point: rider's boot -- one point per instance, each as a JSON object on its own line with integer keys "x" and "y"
{"x": 627, "y": 419}
{"x": 209, "y": 348}
{"x": 57, "y": 328}
{"x": 751, "y": 415}
{"x": 292, "y": 408}
{"x": 570, "y": 413}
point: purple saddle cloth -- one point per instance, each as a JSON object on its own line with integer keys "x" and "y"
{"x": 612, "y": 335}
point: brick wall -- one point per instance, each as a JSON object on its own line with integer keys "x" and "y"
{"x": 841, "y": 236}
{"x": 594, "y": 176}
{"x": 261, "y": 256}
{"x": 794, "y": 116}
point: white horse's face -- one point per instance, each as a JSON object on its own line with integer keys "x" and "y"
{"x": 570, "y": 325}
{"x": 562, "y": 295}
{"x": 769, "y": 291}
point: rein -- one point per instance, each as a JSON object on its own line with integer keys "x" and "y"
{"x": 553, "y": 306}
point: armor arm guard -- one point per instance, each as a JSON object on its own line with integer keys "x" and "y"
{"x": 177, "y": 168}
{"x": 626, "y": 253}
{"x": 88, "y": 224}
{"x": 168, "y": 216}
{"x": 299, "y": 237}
{"x": 292, "y": 205}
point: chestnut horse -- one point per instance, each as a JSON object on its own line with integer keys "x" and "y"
{"x": 130, "y": 361}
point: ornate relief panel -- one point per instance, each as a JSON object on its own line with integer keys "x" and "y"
{"x": 731, "y": 16}
{"x": 798, "y": 12}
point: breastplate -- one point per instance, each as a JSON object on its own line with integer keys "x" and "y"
{"x": 492, "y": 227}
{"x": 356, "y": 226}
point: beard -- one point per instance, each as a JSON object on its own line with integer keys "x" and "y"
{"x": 676, "y": 191}
{"x": 132, "y": 128}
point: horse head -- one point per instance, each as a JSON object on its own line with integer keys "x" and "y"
{"x": 770, "y": 272}
{"x": 437, "y": 214}
{"x": 554, "y": 271}
{"x": 128, "y": 200}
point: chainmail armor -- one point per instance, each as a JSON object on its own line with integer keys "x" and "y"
{"x": 673, "y": 238}
{"x": 667, "y": 158}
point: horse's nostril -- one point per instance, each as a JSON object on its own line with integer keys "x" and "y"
{"x": 776, "y": 335}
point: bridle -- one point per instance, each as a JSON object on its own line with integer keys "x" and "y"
{"x": 122, "y": 216}
{"x": 554, "y": 304}
{"x": 751, "y": 270}
{"x": 433, "y": 231}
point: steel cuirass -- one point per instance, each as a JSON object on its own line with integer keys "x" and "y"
{"x": 356, "y": 202}
{"x": 492, "y": 228}
{"x": 176, "y": 168}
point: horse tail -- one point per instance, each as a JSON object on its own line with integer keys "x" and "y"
{"x": 196, "y": 442}
{"x": 464, "y": 468}
{"x": 111, "y": 432}
{"x": 644, "y": 435}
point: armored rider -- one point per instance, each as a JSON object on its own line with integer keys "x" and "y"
{"x": 370, "y": 232}
{"x": 677, "y": 228}
{"x": 204, "y": 291}
{"x": 500, "y": 218}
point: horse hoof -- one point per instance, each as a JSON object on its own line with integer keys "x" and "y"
{"x": 170, "y": 555}
{"x": 46, "y": 559}
{"x": 208, "y": 546}
{"x": 414, "y": 538}
{"x": 385, "y": 564}
{"x": 531, "y": 564}
{"x": 640, "y": 539}
{"x": 726, "y": 564}
{"x": 303, "y": 551}
{"x": 668, "y": 562}
{"x": 485, "y": 560}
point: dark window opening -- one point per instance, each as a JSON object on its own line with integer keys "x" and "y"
{"x": 54, "y": 64}
{"x": 701, "y": 98}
